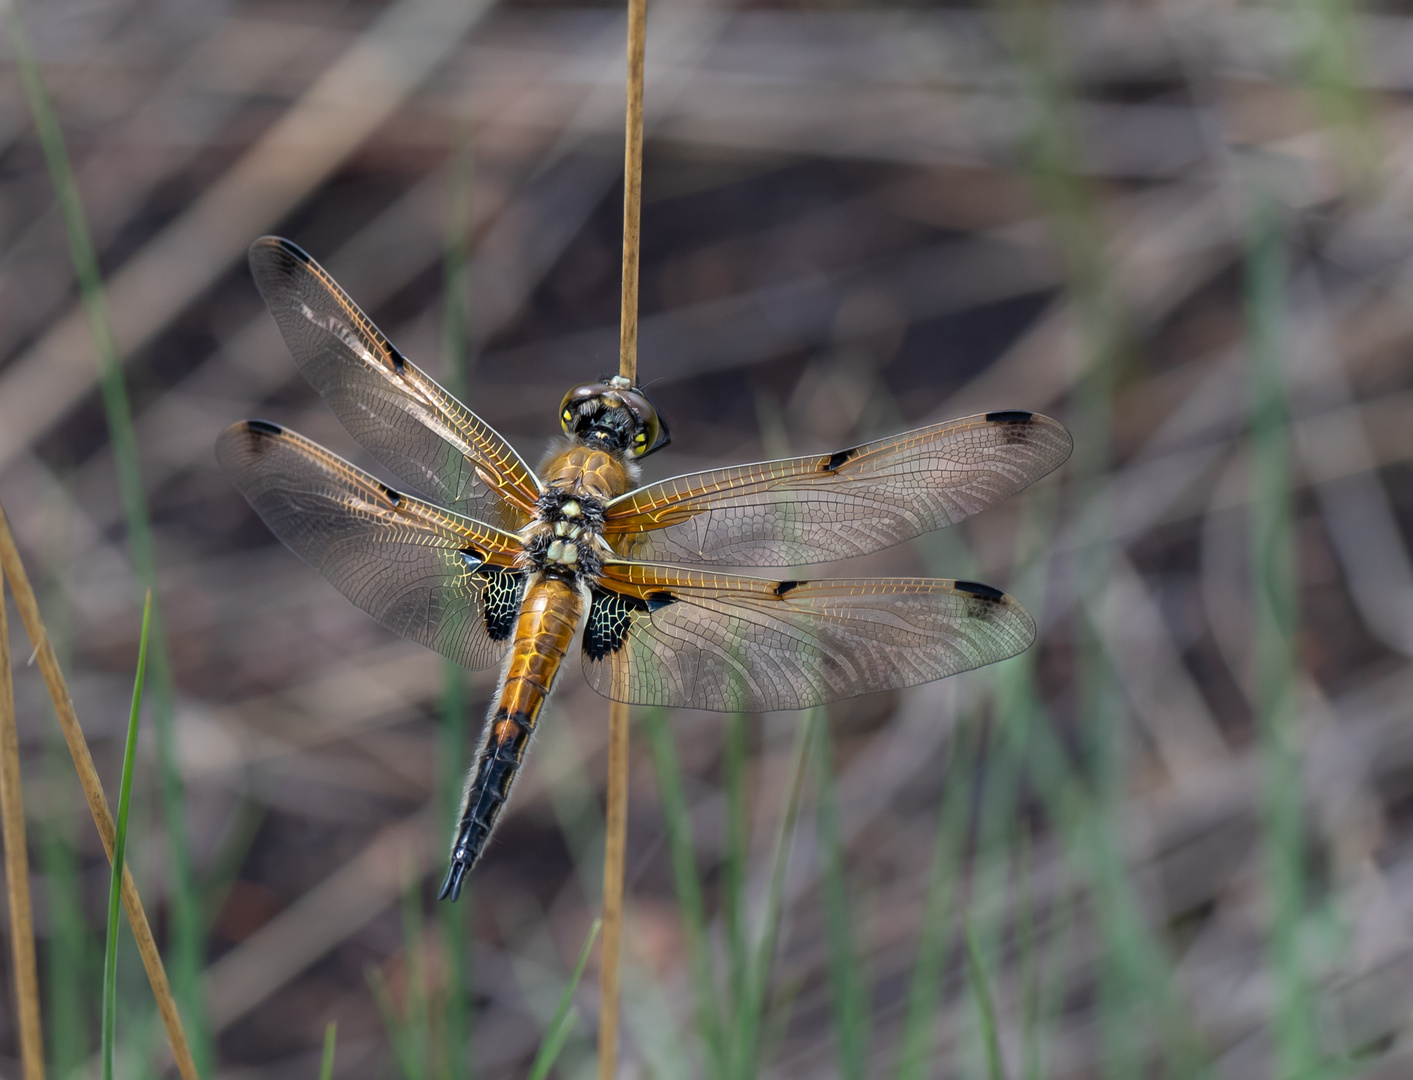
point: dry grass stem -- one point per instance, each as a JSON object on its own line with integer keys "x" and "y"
{"x": 632, "y": 199}
{"x": 12, "y": 815}
{"x": 28, "y": 608}
{"x": 616, "y": 820}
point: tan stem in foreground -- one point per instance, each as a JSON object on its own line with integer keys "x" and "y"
{"x": 93, "y": 791}
{"x": 12, "y": 817}
{"x": 616, "y": 817}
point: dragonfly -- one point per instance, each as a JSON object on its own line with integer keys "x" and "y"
{"x": 494, "y": 563}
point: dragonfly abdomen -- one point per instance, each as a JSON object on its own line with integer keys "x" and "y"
{"x": 550, "y": 616}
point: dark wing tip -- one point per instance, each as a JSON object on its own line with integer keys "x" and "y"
{"x": 244, "y": 441}
{"x": 278, "y": 246}
{"x": 1005, "y": 611}
{"x": 1055, "y": 433}
{"x": 274, "y": 263}
{"x": 975, "y": 588}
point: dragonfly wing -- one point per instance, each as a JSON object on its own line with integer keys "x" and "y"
{"x": 658, "y": 635}
{"x": 835, "y": 506}
{"x": 430, "y": 575}
{"x": 406, "y": 420}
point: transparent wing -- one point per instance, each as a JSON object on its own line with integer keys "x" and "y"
{"x": 432, "y": 576}
{"x": 657, "y": 635}
{"x": 834, "y": 506}
{"x": 427, "y": 438}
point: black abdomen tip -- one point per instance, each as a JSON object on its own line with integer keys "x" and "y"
{"x": 975, "y": 588}
{"x": 455, "y": 878}
{"x": 1010, "y": 416}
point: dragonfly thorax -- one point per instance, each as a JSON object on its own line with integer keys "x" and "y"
{"x": 565, "y": 539}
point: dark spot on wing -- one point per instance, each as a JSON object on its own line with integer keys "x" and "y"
{"x": 471, "y": 557}
{"x": 837, "y": 460}
{"x": 399, "y": 362}
{"x": 974, "y": 588}
{"x": 393, "y": 496}
{"x": 263, "y": 427}
{"x": 501, "y": 602}
{"x": 785, "y": 586}
{"x": 1010, "y": 416}
{"x": 610, "y": 617}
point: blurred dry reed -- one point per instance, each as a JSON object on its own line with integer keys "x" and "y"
{"x": 12, "y": 816}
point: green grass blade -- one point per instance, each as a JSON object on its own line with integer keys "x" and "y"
{"x": 689, "y": 886}
{"x": 71, "y": 958}
{"x": 851, "y": 1016}
{"x": 400, "y": 1037}
{"x": 980, "y": 987}
{"x": 563, "y": 1021}
{"x": 417, "y": 1011}
{"x": 1327, "y": 39}
{"x": 1274, "y": 606}
{"x": 326, "y": 1066}
{"x": 187, "y": 925}
{"x": 750, "y": 1013}
{"x": 120, "y": 843}
{"x": 738, "y": 843}
{"x": 1028, "y": 946}
{"x": 925, "y": 987}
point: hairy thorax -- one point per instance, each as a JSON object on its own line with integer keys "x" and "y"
{"x": 565, "y": 538}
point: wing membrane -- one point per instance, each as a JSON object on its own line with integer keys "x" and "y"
{"x": 835, "y": 506}
{"x": 657, "y": 635}
{"x": 409, "y": 423}
{"x": 432, "y": 576}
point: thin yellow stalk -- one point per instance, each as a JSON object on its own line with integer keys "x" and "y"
{"x": 616, "y": 819}
{"x": 28, "y": 608}
{"x": 12, "y": 816}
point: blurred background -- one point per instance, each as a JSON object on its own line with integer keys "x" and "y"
{"x": 1173, "y": 839}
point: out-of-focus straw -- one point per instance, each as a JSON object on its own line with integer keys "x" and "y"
{"x": 12, "y": 815}
{"x": 28, "y": 608}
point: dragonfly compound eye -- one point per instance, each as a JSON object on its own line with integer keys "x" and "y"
{"x": 651, "y": 431}
{"x": 580, "y": 406}
{"x": 612, "y": 405}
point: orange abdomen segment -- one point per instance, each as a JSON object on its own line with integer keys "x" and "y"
{"x": 549, "y": 616}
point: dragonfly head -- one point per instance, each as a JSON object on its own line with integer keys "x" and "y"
{"x": 616, "y": 415}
